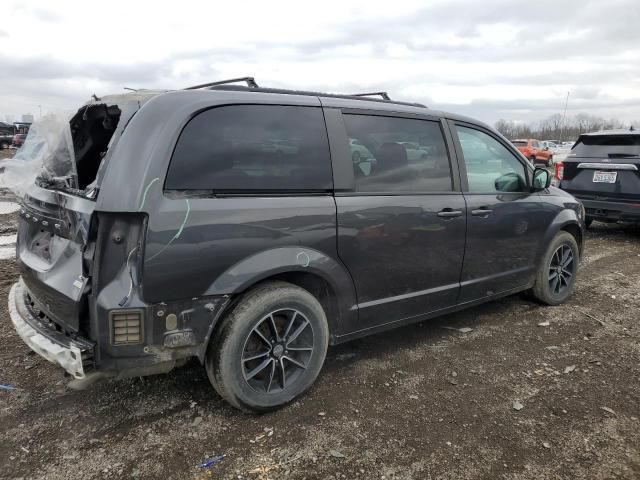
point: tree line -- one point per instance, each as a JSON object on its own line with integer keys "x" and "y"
{"x": 553, "y": 128}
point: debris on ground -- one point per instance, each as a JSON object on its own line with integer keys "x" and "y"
{"x": 517, "y": 405}
{"x": 6, "y": 387}
{"x": 337, "y": 454}
{"x": 461, "y": 330}
{"x": 609, "y": 410}
{"x": 211, "y": 461}
{"x": 569, "y": 369}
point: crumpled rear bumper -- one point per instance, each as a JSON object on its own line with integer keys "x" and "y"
{"x": 71, "y": 354}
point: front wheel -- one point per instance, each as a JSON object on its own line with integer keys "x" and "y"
{"x": 557, "y": 272}
{"x": 269, "y": 349}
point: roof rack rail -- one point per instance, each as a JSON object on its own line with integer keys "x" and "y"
{"x": 250, "y": 81}
{"x": 384, "y": 95}
{"x": 281, "y": 91}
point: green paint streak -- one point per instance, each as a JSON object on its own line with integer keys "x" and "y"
{"x": 144, "y": 195}
{"x": 177, "y": 235}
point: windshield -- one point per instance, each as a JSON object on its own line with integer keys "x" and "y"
{"x": 607, "y": 145}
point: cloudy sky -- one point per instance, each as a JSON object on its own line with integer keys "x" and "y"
{"x": 489, "y": 59}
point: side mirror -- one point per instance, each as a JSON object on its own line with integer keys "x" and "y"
{"x": 509, "y": 182}
{"x": 546, "y": 148}
{"x": 541, "y": 179}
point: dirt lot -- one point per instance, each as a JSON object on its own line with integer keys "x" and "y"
{"x": 530, "y": 393}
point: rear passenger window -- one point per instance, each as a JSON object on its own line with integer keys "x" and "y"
{"x": 392, "y": 154}
{"x": 256, "y": 148}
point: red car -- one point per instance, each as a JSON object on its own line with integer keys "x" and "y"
{"x": 18, "y": 139}
{"x": 534, "y": 151}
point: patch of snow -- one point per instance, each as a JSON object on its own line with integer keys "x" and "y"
{"x": 8, "y": 207}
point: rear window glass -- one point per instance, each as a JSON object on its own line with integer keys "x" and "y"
{"x": 519, "y": 143}
{"x": 607, "y": 145}
{"x": 257, "y": 148}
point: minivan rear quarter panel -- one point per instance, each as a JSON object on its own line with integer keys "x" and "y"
{"x": 205, "y": 244}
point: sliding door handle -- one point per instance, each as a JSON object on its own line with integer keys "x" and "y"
{"x": 481, "y": 212}
{"x": 450, "y": 213}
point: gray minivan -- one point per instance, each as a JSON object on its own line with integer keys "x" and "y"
{"x": 231, "y": 224}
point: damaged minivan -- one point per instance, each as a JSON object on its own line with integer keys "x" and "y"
{"x": 236, "y": 224}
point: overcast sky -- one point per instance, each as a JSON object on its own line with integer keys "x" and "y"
{"x": 489, "y": 59}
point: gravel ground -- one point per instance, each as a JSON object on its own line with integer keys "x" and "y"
{"x": 530, "y": 392}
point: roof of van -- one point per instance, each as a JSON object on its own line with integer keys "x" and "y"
{"x": 330, "y": 99}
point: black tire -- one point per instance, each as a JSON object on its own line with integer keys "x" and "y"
{"x": 238, "y": 350}
{"x": 545, "y": 290}
{"x": 355, "y": 156}
{"x": 532, "y": 159}
{"x": 588, "y": 221}
{"x": 4, "y": 145}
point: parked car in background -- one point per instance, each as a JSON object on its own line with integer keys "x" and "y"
{"x": 204, "y": 248}
{"x": 550, "y": 145}
{"x": 415, "y": 151}
{"x": 358, "y": 151}
{"x": 278, "y": 146}
{"x": 18, "y": 139}
{"x": 535, "y": 151}
{"x": 603, "y": 172}
{"x": 6, "y": 139}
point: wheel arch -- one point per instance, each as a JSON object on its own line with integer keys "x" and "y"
{"x": 567, "y": 220}
{"x": 322, "y": 276}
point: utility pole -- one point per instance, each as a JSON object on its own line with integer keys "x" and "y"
{"x": 564, "y": 117}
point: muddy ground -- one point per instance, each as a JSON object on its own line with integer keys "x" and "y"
{"x": 531, "y": 392}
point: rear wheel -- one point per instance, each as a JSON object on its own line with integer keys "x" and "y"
{"x": 4, "y": 145}
{"x": 588, "y": 221}
{"x": 269, "y": 349}
{"x": 556, "y": 274}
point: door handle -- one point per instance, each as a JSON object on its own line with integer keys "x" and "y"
{"x": 449, "y": 213}
{"x": 481, "y": 212}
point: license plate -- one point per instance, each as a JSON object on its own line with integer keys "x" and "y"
{"x": 604, "y": 177}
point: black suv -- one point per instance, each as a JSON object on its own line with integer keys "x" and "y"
{"x": 181, "y": 232}
{"x": 603, "y": 171}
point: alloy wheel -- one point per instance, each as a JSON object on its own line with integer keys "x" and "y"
{"x": 561, "y": 269}
{"x": 277, "y": 350}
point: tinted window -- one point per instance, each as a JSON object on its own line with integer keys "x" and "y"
{"x": 256, "y": 148}
{"x": 393, "y": 154}
{"x": 490, "y": 166}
